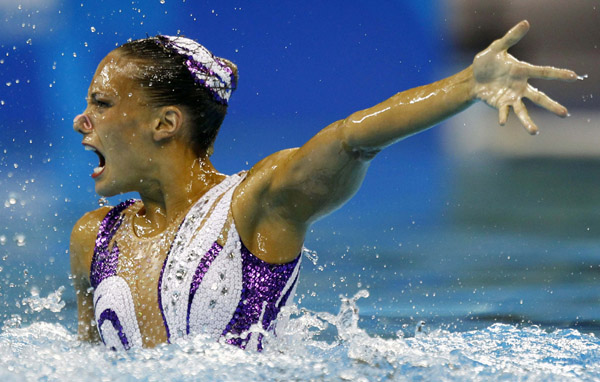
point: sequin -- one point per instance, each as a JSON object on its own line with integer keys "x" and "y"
{"x": 115, "y": 314}
{"x": 221, "y": 293}
{"x": 206, "y": 69}
{"x": 262, "y": 294}
{"x": 105, "y": 261}
{"x": 110, "y": 315}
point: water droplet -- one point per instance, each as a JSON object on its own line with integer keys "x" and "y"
{"x": 162, "y": 1}
{"x": 2, "y": 239}
{"x": 19, "y": 239}
{"x": 311, "y": 255}
{"x": 419, "y": 328}
{"x": 12, "y": 200}
{"x": 102, "y": 202}
{"x": 93, "y": 29}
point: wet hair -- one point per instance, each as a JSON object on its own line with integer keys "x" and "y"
{"x": 166, "y": 80}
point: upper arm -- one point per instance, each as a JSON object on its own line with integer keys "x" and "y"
{"x": 81, "y": 249}
{"x": 287, "y": 191}
{"x": 318, "y": 177}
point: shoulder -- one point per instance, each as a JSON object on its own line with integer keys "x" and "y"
{"x": 83, "y": 239}
{"x": 259, "y": 181}
{"x": 259, "y": 213}
{"x": 261, "y": 176}
{"x": 87, "y": 226}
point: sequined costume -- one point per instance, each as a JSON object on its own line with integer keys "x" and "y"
{"x": 203, "y": 287}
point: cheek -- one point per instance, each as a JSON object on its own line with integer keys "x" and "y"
{"x": 126, "y": 143}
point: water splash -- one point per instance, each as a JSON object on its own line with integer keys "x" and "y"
{"x": 310, "y": 255}
{"x": 52, "y": 302}
{"x": 48, "y": 351}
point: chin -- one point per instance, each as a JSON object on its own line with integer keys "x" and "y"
{"x": 107, "y": 190}
{"x": 106, "y": 193}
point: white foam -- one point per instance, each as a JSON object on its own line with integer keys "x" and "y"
{"x": 47, "y": 351}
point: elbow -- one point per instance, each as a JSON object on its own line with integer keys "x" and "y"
{"x": 356, "y": 146}
{"x": 363, "y": 154}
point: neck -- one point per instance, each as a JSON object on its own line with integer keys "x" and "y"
{"x": 177, "y": 185}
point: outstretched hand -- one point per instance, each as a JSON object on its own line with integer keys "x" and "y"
{"x": 501, "y": 80}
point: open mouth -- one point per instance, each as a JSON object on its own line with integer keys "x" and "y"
{"x": 100, "y": 168}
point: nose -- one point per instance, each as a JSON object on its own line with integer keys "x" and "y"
{"x": 82, "y": 124}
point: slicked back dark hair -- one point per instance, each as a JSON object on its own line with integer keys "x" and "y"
{"x": 166, "y": 81}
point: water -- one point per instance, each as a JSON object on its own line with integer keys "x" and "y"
{"x": 48, "y": 351}
{"x": 490, "y": 309}
{"x": 432, "y": 272}
{"x": 500, "y": 291}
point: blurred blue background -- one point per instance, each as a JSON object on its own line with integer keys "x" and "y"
{"x": 424, "y": 220}
{"x": 300, "y": 69}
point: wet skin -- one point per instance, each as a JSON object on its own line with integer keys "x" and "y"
{"x": 146, "y": 150}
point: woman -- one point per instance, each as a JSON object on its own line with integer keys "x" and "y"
{"x": 206, "y": 253}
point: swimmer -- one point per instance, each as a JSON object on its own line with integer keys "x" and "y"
{"x": 216, "y": 255}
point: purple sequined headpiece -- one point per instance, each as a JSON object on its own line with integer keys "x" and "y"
{"x": 207, "y": 70}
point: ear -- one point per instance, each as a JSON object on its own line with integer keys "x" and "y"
{"x": 168, "y": 124}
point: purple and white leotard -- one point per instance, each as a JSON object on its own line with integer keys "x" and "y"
{"x": 203, "y": 287}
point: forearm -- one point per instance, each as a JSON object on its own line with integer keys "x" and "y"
{"x": 408, "y": 112}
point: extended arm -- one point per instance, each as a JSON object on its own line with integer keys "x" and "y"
{"x": 289, "y": 190}
{"x": 495, "y": 77}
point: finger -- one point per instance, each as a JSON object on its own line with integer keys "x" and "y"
{"x": 523, "y": 116}
{"x": 503, "y": 114}
{"x": 541, "y": 99}
{"x": 511, "y": 37}
{"x": 549, "y": 72}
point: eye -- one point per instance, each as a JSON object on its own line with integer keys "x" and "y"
{"x": 96, "y": 100}
{"x": 102, "y": 103}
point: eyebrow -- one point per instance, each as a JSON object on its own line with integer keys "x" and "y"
{"x": 94, "y": 96}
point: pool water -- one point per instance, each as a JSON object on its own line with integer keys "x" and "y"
{"x": 50, "y": 352}
{"x": 494, "y": 279}
{"x": 437, "y": 270}
{"x": 462, "y": 297}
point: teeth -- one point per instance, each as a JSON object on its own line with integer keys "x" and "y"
{"x": 98, "y": 170}
{"x": 89, "y": 148}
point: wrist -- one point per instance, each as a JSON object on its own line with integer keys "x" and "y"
{"x": 467, "y": 78}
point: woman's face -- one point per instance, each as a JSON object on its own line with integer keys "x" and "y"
{"x": 121, "y": 127}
